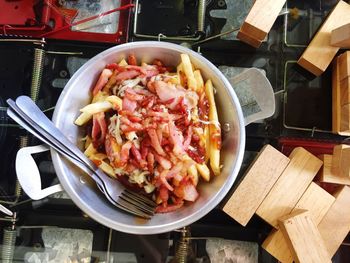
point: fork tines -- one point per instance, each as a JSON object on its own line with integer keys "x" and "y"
{"x": 137, "y": 203}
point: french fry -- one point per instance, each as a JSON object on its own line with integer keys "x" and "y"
{"x": 203, "y": 171}
{"x": 192, "y": 171}
{"x": 90, "y": 150}
{"x": 116, "y": 102}
{"x": 199, "y": 80}
{"x": 187, "y": 68}
{"x": 83, "y": 118}
{"x": 207, "y": 142}
{"x": 213, "y": 129}
{"x": 89, "y": 110}
{"x": 100, "y": 96}
{"x": 97, "y": 107}
{"x": 123, "y": 63}
{"x": 107, "y": 169}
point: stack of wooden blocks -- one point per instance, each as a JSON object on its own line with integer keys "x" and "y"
{"x": 309, "y": 223}
{"x": 321, "y": 51}
{"x": 341, "y": 94}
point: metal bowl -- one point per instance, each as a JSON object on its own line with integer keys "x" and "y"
{"x": 84, "y": 193}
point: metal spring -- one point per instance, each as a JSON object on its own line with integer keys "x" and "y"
{"x": 184, "y": 252}
{"x": 38, "y": 66}
{"x": 23, "y": 142}
{"x": 201, "y": 15}
{"x": 8, "y": 245}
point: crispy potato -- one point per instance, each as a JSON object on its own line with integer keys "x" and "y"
{"x": 213, "y": 129}
{"x": 187, "y": 68}
{"x": 199, "y": 80}
{"x": 90, "y": 150}
{"x": 89, "y": 110}
{"x": 123, "y": 63}
{"x": 116, "y": 102}
{"x": 192, "y": 171}
{"x": 207, "y": 142}
{"x": 203, "y": 171}
{"x": 83, "y": 118}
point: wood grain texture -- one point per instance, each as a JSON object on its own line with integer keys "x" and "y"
{"x": 261, "y": 17}
{"x": 340, "y": 160}
{"x": 335, "y": 225}
{"x": 341, "y": 36}
{"x": 291, "y": 185}
{"x": 336, "y": 100}
{"x": 317, "y": 201}
{"x": 345, "y": 117}
{"x": 319, "y": 54}
{"x": 344, "y": 65}
{"x": 327, "y": 176}
{"x": 256, "y": 183}
{"x": 303, "y": 238}
{"x": 248, "y": 39}
{"x": 335, "y": 96}
{"x": 345, "y": 91}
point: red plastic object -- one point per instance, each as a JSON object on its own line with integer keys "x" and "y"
{"x": 18, "y": 13}
{"x": 316, "y": 147}
{"x": 50, "y": 14}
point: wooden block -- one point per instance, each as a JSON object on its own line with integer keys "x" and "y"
{"x": 319, "y": 54}
{"x": 261, "y": 17}
{"x": 335, "y": 225}
{"x": 304, "y": 239}
{"x": 335, "y": 96}
{"x": 345, "y": 117}
{"x": 257, "y": 182}
{"x": 317, "y": 201}
{"x": 341, "y": 36}
{"x": 341, "y": 160}
{"x": 291, "y": 185}
{"x": 344, "y": 65}
{"x": 345, "y": 91}
{"x": 248, "y": 39}
{"x": 327, "y": 176}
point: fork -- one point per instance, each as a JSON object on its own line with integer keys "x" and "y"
{"x": 40, "y": 126}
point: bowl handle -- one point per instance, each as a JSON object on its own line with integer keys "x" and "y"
{"x": 28, "y": 173}
{"x": 255, "y": 94}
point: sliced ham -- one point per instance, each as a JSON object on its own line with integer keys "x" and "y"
{"x": 176, "y": 139}
{"x": 129, "y": 105}
{"x": 99, "y": 129}
{"x": 136, "y": 153}
{"x": 150, "y": 161}
{"x": 166, "y": 164}
{"x": 124, "y": 153}
{"x": 102, "y": 81}
{"x": 163, "y": 194}
{"x": 164, "y": 181}
{"x": 129, "y": 74}
{"x": 188, "y": 138}
{"x": 190, "y": 192}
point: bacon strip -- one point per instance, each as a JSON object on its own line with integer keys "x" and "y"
{"x": 99, "y": 129}
{"x": 155, "y": 141}
{"x": 102, "y": 81}
{"x": 124, "y": 153}
{"x": 176, "y": 139}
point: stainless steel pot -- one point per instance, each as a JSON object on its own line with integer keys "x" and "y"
{"x": 76, "y": 95}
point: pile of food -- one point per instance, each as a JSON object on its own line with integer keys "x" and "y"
{"x": 154, "y": 129}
